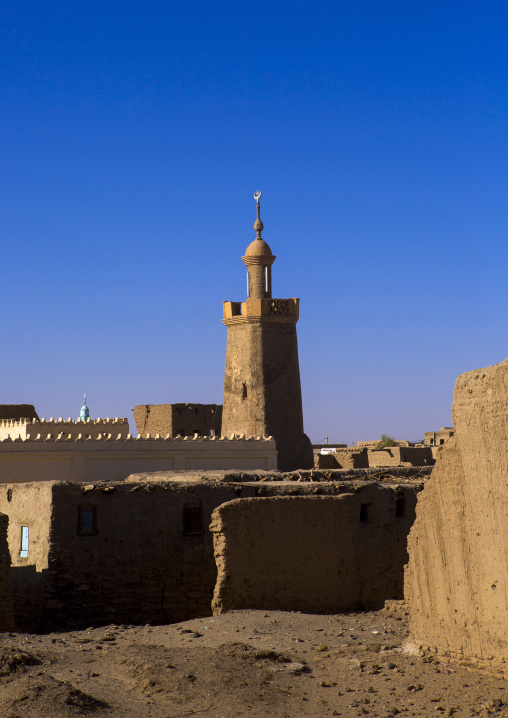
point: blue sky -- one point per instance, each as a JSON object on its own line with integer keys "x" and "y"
{"x": 132, "y": 137}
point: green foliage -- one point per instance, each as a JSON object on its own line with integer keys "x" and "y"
{"x": 386, "y": 441}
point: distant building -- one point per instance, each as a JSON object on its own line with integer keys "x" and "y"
{"x": 17, "y": 411}
{"x": 178, "y": 419}
{"x": 438, "y": 438}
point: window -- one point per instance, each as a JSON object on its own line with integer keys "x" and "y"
{"x": 400, "y": 506}
{"x": 192, "y": 520}
{"x": 365, "y": 512}
{"x": 24, "y": 542}
{"x": 87, "y": 520}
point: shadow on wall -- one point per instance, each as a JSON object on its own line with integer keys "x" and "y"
{"x": 320, "y": 554}
{"x": 29, "y": 592}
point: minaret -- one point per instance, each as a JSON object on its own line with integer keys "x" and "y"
{"x": 84, "y": 414}
{"x": 262, "y": 394}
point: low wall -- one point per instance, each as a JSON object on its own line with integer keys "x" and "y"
{"x": 6, "y": 604}
{"x": 103, "y": 459}
{"x": 401, "y": 456}
{"x": 312, "y": 553}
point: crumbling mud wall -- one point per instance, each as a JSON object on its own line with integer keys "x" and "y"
{"x": 348, "y": 458}
{"x": 457, "y": 577}
{"x": 401, "y": 456}
{"x": 6, "y": 605}
{"x": 178, "y": 419}
{"x": 17, "y": 411}
{"x": 312, "y": 553}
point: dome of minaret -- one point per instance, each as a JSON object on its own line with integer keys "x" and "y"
{"x": 258, "y": 248}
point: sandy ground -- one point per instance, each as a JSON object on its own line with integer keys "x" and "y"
{"x": 243, "y": 663}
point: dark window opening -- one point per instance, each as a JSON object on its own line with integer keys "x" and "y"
{"x": 9, "y": 494}
{"x": 87, "y": 520}
{"x": 365, "y": 512}
{"x": 192, "y": 520}
{"x": 400, "y": 506}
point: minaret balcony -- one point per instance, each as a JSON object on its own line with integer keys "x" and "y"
{"x": 265, "y": 310}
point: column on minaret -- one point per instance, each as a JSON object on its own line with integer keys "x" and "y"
{"x": 259, "y": 259}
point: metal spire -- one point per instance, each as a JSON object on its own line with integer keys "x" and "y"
{"x": 258, "y": 224}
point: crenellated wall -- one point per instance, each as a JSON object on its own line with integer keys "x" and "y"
{"x": 22, "y": 428}
{"x": 106, "y": 457}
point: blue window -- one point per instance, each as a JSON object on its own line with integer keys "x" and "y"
{"x": 87, "y": 520}
{"x": 24, "y": 542}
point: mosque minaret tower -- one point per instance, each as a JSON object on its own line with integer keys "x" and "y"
{"x": 262, "y": 392}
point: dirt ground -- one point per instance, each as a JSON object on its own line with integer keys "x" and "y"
{"x": 243, "y": 663}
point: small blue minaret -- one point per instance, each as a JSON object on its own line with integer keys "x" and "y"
{"x": 84, "y": 414}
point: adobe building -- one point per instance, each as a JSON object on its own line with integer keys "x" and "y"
{"x": 457, "y": 576}
{"x": 364, "y": 457}
{"x": 17, "y": 411}
{"x": 142, "y": 550}
{"x": 178, "y": 419}
{"x": 438, "y": 438}
{"x": 262, "y": 393}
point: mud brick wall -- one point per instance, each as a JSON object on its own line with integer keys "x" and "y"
{"x": 401, "y": 456}
{"x": 17, "y": 411}
{"x": 140, "y": 563}
{"x": 457, "y": 576}
{"x": 28, "y": 504}
{"x": 6, "y": 604}
{"x": 178, "y": 419}
{"x": 312, "y": 553}
{"x": 342, "y": 459}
